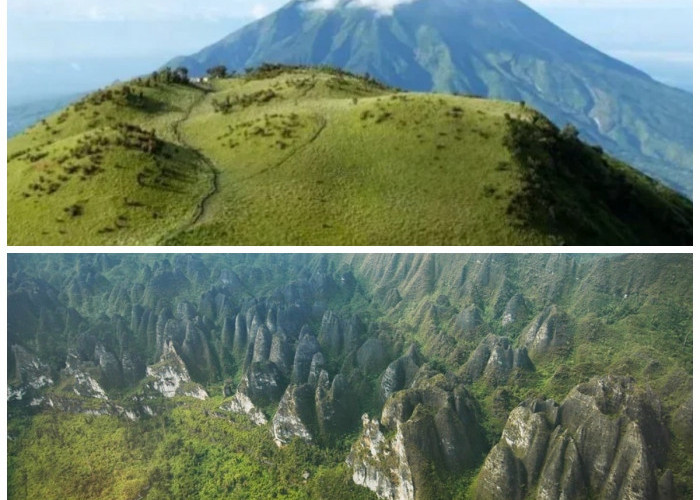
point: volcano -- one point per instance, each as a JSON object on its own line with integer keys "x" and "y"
{"x": 493, "y": 48}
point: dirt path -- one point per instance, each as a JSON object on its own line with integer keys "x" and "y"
{"x": 200, "y": 209}
{"x": 204, "y": 160}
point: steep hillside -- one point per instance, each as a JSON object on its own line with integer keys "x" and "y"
{"x": 316, "y": 156}
{"x": 500, "y": 49}
{"x": 304, "y": 376}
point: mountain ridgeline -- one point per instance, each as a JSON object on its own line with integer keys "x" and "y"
{"x": 496, "y": 48}
{"x": 317, "y": 156}
{"x": 350, "y": 376}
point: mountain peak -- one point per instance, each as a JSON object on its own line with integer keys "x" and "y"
{"x": 493, "y": 48}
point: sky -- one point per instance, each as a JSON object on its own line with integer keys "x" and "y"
{"x": 81, "y": 35}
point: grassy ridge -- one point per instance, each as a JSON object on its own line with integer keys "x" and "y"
{"x": 301, "y": 156}
{"x": 105, "y": 171}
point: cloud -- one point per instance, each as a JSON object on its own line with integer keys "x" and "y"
{"x": 383, "y": 7}
{"x": 259, "y": 10}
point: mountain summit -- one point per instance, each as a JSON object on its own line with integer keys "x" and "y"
{"x": 494, "y": 48}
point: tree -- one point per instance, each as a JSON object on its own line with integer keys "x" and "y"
{"x": 182, "y": 74}
{"x": 569, "y": 132}
{"x": 217, "y": 71}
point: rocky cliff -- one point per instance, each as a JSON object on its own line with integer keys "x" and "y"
{"x": 606, "y": 440}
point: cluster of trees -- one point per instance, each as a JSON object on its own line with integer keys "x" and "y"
{"x": 179, "y": 75}
{"x": 182, "y": 453}
{"x": 219, "y": 72}
{"x": 564, "y": 179}
{"x": 134, "y": 137}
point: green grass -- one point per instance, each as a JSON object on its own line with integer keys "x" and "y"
{"x": 60, "y": 194}
{"x": 291, "y": 156}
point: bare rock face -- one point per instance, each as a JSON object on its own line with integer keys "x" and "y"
{"x": 371, "y": 357}
{"x": 110, "y": 369}
{"x": 468, "y": 321}
{"x": 307, "y": 347}
{"x": 240, "y": 337}
{"x": 282, "y": 352}
{"x": 515, "y": 310}
{"x": 606, "y": 440}
{"x": 294, "y": 415}
{"x": 331, "y": 333}
{"x": 241, "y": 404}
{"x": 434, "y": 425}
{"x": 262, "y": 344}
{"x": 317, "y": 409}
{"x": 400, "y": 373}
{"x": 263, "y": 383}
{"x": 83, "y": 384}
{"x": 495, "y": 359}
{"x": 335, "y": 408}
{"x": 31, "y": 374}
{"x": 547, "y": 332}
{"x": 171, "y": 378}
{"x": 380, "y": 464}
{"x": 339, "y": 336}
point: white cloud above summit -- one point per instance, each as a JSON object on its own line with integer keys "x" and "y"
{"x": 385, "y": 7}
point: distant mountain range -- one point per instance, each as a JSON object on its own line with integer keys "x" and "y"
{"x": 495, "y": 48}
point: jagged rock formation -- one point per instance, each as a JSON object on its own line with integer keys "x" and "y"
{"x": 307, "y": 348}
{"x": 309, "y": 368}
{"x": 434, "y": 424}
{"x": 515, "y": 310}
{"x": 263, "y": 383}
{"x": 242, "y": 404}
{"x": 171, "y": 378}
{"x": 400, "y": 373}
{"x": 318, "y": 408}
{"x": 495, "y": 359}
{"x": 30, "y": 373}
{"x": 607, "y": 440}
{"x": 294, "y": 415}
{"x": 83, "y": 385}
{"x": 372, "y": 356}
{"x": 547, "y": 332}
{"x": 337, "y": 336}
{"x": 371, "y": 467}
{"x": 468, "y": 321}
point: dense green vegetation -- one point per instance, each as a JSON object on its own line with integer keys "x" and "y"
{"x": 628, "y": 315}
{"x": 192, "y": 451}
{"x": 291, "y": 155}
{"x": 566, "y": 181}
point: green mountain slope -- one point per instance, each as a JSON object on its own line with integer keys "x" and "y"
{"x": 308, "y": 376}
{"x": 500, "y": 49}
{"x": 316, "y": 156}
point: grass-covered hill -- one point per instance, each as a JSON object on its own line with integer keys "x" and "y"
{"x": 292, "y": 155}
